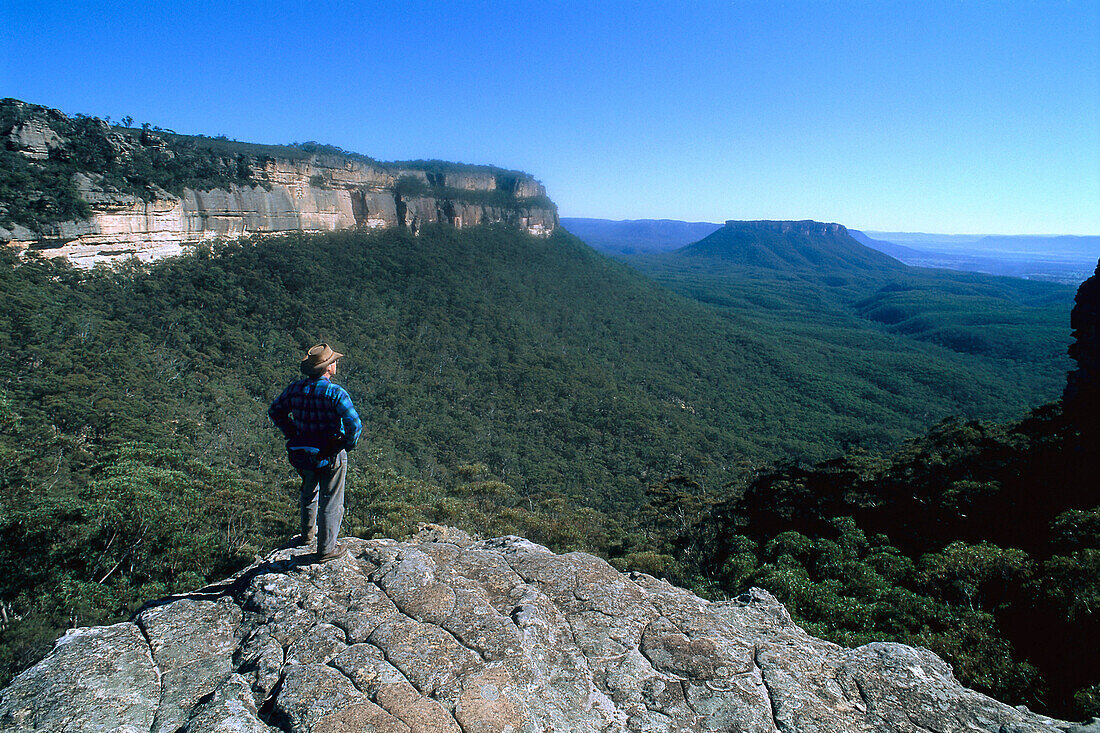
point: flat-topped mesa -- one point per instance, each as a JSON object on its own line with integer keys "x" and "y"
{"x": 443, "y": 633}
{"x": 789, "y": 227}
{"x": 101, "y": 192}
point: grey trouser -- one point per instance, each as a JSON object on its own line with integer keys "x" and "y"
{"x": 322, "y": 501}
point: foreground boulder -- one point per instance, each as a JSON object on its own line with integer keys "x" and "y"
{"x": 442, "y": 633}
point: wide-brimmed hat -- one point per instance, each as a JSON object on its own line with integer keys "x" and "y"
{"x": 318, "y": 358}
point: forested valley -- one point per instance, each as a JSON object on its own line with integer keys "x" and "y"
{"x": 751, "y": 431}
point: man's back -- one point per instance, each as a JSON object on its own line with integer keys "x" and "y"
{"x": 317, "y": 413}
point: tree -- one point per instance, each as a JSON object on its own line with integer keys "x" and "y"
{"x": 981, "y": 576}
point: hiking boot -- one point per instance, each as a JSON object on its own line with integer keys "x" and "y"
{"x": 336, "y": 553}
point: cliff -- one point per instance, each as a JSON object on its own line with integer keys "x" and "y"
{"x": 444, "y": 633}
{"x": 1081, "y": 397}
{"x": 82, "y": 189}
{"x": 806, "y": 227}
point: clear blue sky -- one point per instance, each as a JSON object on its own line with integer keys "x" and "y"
{"x": 965, "y": 116}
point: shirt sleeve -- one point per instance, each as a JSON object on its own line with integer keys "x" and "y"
{"x": 279, "y": 412}
{"x": 350, "y": 423}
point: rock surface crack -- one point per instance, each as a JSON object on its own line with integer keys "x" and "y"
{"x": 267, "y": 712}
{"x": 767, "y": 690}
{"x": 863, "y": 696}
{"x": 480, "y": 655}
{"x": 920, "y": 726}
{"x": 156, "y": 669}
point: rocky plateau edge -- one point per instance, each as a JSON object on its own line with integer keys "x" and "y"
{"x": 445, "y": 633}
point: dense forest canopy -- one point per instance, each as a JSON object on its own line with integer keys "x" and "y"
{"x": 824, "y": 281}
{"x": 508, "y": 385}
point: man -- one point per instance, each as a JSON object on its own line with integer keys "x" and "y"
{"x": 321, "y": 425}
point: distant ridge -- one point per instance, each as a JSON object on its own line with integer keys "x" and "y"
{"x": 1065, "y": 246}
{"x": 1059, "y": 258}
{"x": 790, "y": 245}
{"x": 897, "y": 251}
{"x": 637, "y": 236}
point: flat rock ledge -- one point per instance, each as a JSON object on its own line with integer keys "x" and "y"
{"x": 447, "y": 634}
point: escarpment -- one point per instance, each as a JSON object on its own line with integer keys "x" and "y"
{"x": 1081, "y": 397}
{"x": 444, "y": 633}
{"x": 807, "y": 226}
{"x": 92, "y": 192}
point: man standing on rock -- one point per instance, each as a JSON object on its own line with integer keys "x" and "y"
{"x": 321, "y": 425}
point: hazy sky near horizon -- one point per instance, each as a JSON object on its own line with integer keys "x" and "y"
{"x": 960, "y": 116}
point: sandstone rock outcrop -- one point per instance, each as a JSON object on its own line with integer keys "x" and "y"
{"x": 789, "y": 227}
{"x": 444, "y": 633}
{"x": 276, "y": 192}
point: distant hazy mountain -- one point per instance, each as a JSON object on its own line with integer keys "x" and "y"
{"x": 1054, "y": 246}
{"x": 633, "y": 236}
{"x": 917, "y": 239}
{"x": 897, "y": 251}
{"x": 792, "y": 276}
{"x": 1062, "y": 246}
{"x": 790, "y": 245}
{"x": 1065, "y": 259}
{"x": 1059, "y": 258}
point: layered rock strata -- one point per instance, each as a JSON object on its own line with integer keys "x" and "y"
{"x": 444, "y": 633}
{"x": 789, "y": 227}
{"x": 167, "y": 225}
{"x": 294, "y": 191}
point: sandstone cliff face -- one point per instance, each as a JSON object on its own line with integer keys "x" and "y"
{"x": 443, "y": 633}
{"x": 789, "y": 227}
{"x": 300, "y": 192}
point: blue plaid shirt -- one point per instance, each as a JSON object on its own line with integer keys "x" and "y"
{"x": 315, "y": 412}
